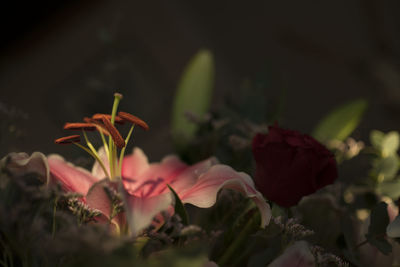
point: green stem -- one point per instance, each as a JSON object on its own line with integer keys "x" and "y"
{"x": 95, "y": 156}
{"x": 111, "y": 146}
{"x": 104, "y": 142}
{"x": 233, "y": 247}
{"x": 121, "y": 155}
{"x": 53, "y": 231}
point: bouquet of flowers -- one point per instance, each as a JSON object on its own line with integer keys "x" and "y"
{"x": 240, "y": 190}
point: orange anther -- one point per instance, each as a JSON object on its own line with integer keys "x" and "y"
{"x": 133, "y": 119}
{"x": 115, "y": 135}
{"x": 79, "y": 126}
{"x": 98, "y": 116}
{"x": 68, "y": 140}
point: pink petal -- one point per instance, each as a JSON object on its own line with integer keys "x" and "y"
{"x": 298, "y": 254}
{"x": 133, "y": 165}
{"x": 151, "y": 179}
{"x": 188, "y": 177}
{"x": 141, "y": 211}
{"x": 97, "y": 170}
{"x": 97, "y": 198}
{"x": 72, "y": 178}
{"x": 204, "y": 193}
{"x": 20, "y": 164}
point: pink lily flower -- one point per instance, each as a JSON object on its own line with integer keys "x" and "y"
{"x": 145, "y": 185}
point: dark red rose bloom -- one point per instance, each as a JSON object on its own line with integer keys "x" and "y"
{"x": 290, "y": 165}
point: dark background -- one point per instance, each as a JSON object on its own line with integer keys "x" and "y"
{"x": 64, "y": 60}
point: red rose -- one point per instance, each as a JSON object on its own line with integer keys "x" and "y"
{"x": 290, "y": 165}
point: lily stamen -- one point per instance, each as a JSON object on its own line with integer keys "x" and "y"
{"x": 114, "y": 133}
{"x": 79, "y": 126}
{"x": 98, "y": 117}
{"x": 68, "y": 140}
{"x": 133, "y": 119}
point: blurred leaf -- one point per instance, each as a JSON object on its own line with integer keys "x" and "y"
{"x": 266, "y": 256}
{"x": 377, "y": 228}
{"x": 341, "y": 122}
{"x": 193, "y": 95}
{"x": 195, "y": 256}
{"x": 376, "y": 138}
{"x": 393, "y": 229}
{"x": 379, "y": 219}
{"x": 380, "y": 243}
{"x": 386, "y": 168}
{"x": 279, "y": 211}
{"x": 390, "y": 189}
{"x": 390, "y": 143}
{"x": 318, "y": 211}
{"x": 179, "y": 208}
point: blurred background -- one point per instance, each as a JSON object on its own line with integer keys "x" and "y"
{"x": 64, "y": 60}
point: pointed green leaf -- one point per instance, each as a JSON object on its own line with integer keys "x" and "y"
{"x": 380, "y": 243}
{"x": 376, "y": 138}
{"x": 193, "y": 95}
{"x": 377, "y": 228}
{"x": 179, "y": 208}
{"x": 390, "y": 143}
{"x": 379, "y": 219}
{"x": 386, "y": 168}
{"x": 341, "y": 122}
{"x": 390, "y": 189}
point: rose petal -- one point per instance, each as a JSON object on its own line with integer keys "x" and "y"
{"x": 141, "y": 211}
{"x": 204, "y": 193}
{"x": 298, "y": 254}
{"x": 20, "y": 164}
{"x": 72, "y": 178}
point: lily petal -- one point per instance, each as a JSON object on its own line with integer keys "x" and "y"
{"x": 141, "y": 211}
{"x": 204, "y": 193}
{"x": 188, "y": 177}
{"x": 72, "y": 178}
{"x": 152, "y": 180}
{"x": 20, "y": 164}
{"x": 97, "y": 170}
{"x": 97, "y": 198}
{"x": 133, "y": 165}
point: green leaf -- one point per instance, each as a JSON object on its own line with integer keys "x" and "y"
{"x": 341, "y": 122}
{"x": 179, "y": 208}
{"x": 379, "y": 219}
{"x": 390, "y": 143}
{"x": 390, "y": 189}
{"x": 193, "y": 95}
{"x": 377, "y": 228}
{"x": 380, "y": 243}
{"x": 386, "y": 168}
{"x": 376, "y": 138}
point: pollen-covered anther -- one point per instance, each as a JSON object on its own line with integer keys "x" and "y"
{"x": 99, "y": 125}
{"x": 115, "y": 135}
{"x": 98, "y": 117}
{"x": 68, "y": 140}
{"x": 133, "y": 119}
{"x": 79, "y": 126}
